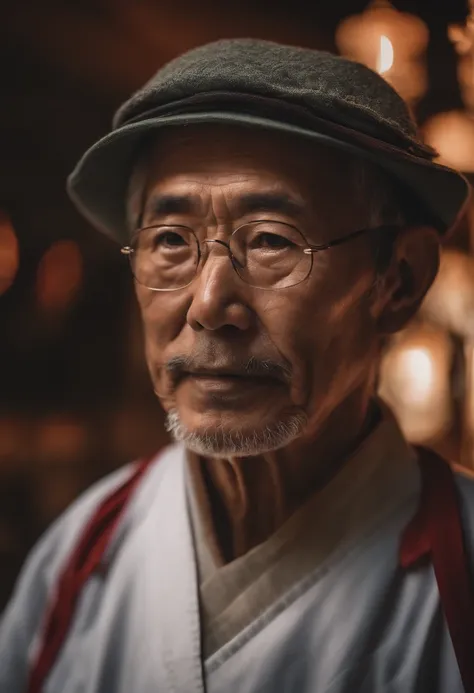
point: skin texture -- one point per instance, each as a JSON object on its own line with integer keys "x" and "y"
{"x": 325, "y": 332}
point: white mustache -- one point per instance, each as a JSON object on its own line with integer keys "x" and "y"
{"x": 179, "y": 366}
{"x": 258, "y": 367}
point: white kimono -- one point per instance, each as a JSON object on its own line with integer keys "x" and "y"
{"x": 322, "y": 607}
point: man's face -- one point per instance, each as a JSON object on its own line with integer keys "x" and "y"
{"x": 241, "y": 370}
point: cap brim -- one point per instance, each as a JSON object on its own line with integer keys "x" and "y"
{"x": 98, "y": 185}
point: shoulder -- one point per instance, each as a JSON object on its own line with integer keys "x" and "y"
{"x": 55, "y": 545}
{"x": 58, "y": 541}
{"x": 23, "y": 616}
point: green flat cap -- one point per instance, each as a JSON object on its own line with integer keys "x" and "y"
{"x": 261, "y": 84}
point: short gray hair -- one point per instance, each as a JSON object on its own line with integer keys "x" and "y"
{"x": 372, "y": 183}
{"x": 135, "y": 194}
{"x": 386, "y": 207}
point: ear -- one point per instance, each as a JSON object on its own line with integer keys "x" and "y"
{"x": 413, "y": 267}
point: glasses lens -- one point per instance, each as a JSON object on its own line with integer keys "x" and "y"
{"x": 270, "y": 255}
{"x": 165, "y": 257}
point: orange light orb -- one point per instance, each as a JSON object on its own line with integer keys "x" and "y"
{"x": 451, "y": 134}
{"x": 9, "y": 253}
{"x": 390, "y": 42}
{"x": 59, "y": 276}
{"x": 414, "y": 381}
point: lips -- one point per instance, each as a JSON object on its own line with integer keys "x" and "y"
{"x": 251, "y": 370}
{"x": 221, "y": 390}
{"x": 230, "y": 378}
{"x": 214, "y": 374}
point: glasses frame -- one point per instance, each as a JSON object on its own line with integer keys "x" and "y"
{"x": 309, "y": 249}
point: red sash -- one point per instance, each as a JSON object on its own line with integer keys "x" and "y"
{"x": 435, "y": 533}
{"x": 83, "y": 561}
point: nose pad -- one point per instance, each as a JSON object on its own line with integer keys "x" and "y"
{"x": 218, "y": 264}
{"x": 219, "y": 242}
{"x": 235, "y": 262}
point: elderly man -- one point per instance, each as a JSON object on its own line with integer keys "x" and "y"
{"x": 282, "y": 218}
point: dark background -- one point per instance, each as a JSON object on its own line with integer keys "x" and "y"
{"x": 74, "y": 397}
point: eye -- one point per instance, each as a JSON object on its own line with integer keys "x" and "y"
{"x": 271, "y": 241}
{"x": 170, "y": 239}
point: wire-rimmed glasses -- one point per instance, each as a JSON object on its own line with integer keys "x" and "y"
{"x": 265, "y": 254}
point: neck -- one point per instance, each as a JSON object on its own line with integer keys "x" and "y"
{"x": 250, "y": 498}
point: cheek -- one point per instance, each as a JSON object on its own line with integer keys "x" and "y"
{"x": 292, "y": 324}
{"x": 346, "y": 347}
{"x": 163, "y": 317}
{"x": 329, "y": 336}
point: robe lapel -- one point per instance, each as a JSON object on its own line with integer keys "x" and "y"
{"x": 168, "y": 588}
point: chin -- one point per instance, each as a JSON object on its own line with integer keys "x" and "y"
{"x": 219, "y": 438}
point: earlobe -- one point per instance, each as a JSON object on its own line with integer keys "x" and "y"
{"x": 401, "y": 290}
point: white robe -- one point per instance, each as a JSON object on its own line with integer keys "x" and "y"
{"x": 354, "y": 622}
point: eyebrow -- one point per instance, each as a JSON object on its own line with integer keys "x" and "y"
{"x": 269, "y": 202}
{"x": 161, "y": 205}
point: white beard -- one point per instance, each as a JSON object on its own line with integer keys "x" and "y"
{"x": 235, "y": 443}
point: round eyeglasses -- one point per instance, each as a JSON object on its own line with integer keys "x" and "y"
{"x": 265, "y": 254}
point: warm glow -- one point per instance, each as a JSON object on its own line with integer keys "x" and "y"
{"x": 59, "y": 276}
{"x": 13, "y": 443}
{"x": 9, "y": 253}
{"x": 385, "y": 56}
{"x": 376, "y": 35}
{"x": 451, "y": 134}
{"x": 415, "y": 382}
{"x": 60, "y": 439}
{"x": 419, "y": 369}
{"x": 450, "y": 301}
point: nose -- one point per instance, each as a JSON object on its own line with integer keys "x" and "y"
{"x": 218, "y": 294}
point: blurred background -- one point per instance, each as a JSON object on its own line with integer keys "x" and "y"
{"x": 75, "y": 401}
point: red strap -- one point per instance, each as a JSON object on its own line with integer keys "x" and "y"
{"x": 436, "y": 533}
{"x": 83, "y": 561}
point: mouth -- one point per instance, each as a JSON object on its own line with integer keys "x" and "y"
{"x": 227, "y": 386}
{"x": 230, "y": 377}
{"x": 236, "y": 376}
{"x": 222, "y": 373}
{"x": 226, "y": 382}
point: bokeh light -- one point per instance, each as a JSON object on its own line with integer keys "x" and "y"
{"x": 13, "y": 443}
{"x": 60, "y": 439}
{"x": 386, "y": 55}
{"x": 59, "y": 276}
{"x": 451, "y": 134}
{"x": 9, "y": 253}
{"x": 450, "y": 301}
{"x": 414, "y": 381}
{"x": 390, "y": 42}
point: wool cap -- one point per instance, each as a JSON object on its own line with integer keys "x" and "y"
{"x": 261, "y": 84}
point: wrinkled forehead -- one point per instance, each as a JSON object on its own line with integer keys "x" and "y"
{"x": 227, "y": 150}
{"x": 236, "y": 160}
